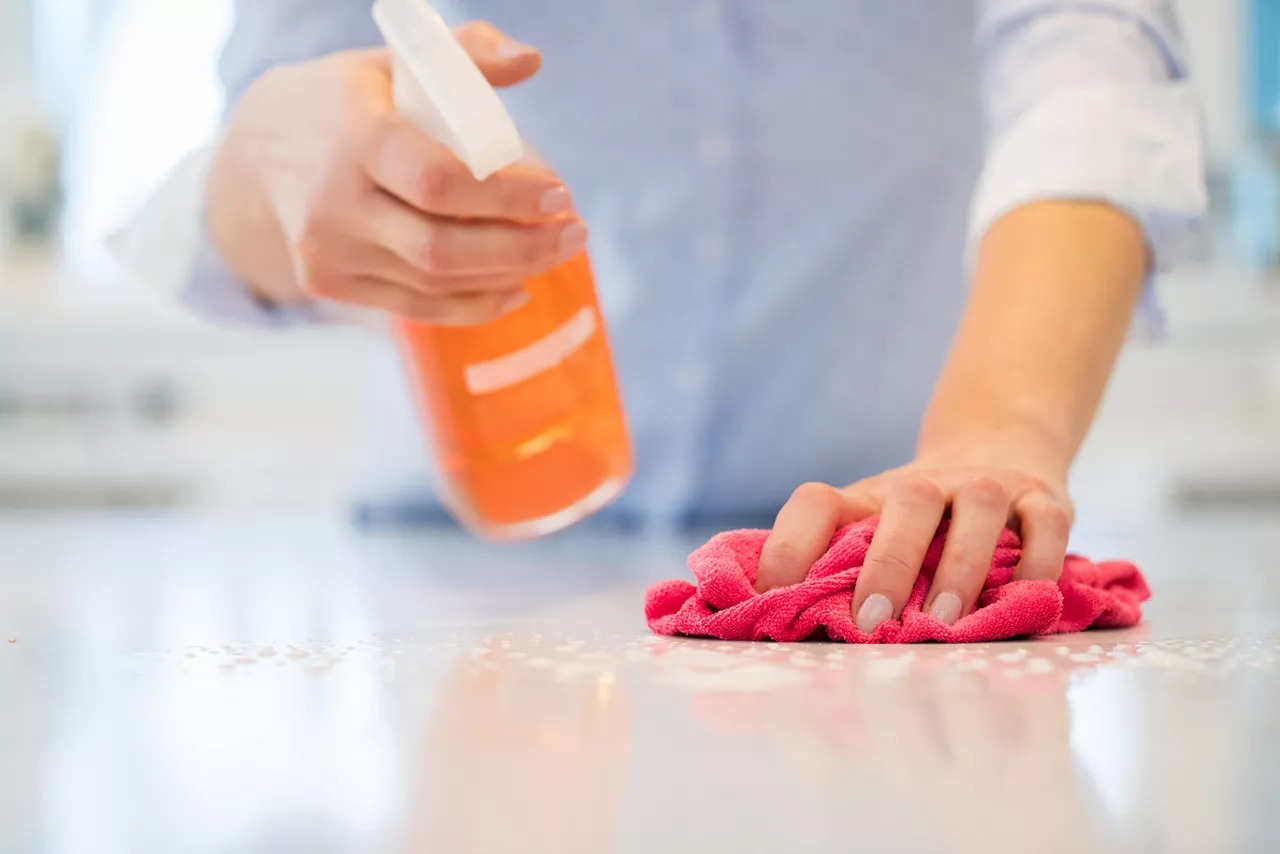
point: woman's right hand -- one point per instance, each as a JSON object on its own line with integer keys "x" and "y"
{"x": 321, "y": 190}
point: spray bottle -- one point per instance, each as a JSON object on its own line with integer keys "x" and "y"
{"x": 523, "y": 412}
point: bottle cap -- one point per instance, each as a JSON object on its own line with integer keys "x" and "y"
{"x": 442, "y": 92}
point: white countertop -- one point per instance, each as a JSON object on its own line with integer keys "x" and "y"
{"x": 287, "y": 685}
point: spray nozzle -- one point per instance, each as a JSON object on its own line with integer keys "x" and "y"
{"x": 439, "y": 88}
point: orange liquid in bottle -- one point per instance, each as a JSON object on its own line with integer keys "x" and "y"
{"x": 528, "y": 425}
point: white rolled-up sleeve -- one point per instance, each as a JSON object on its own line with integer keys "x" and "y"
{"x": 165, "y": 247}
{"x": 1089, "y": 100}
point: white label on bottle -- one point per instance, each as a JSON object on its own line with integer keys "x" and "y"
{"x": 542, "y": 355}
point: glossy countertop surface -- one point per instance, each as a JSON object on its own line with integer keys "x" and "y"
{"x": 175, "y": 685}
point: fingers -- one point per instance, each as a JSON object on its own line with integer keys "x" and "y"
{"x": 385, "y": 267}
{"x": 802, "y": 532}
{"x": 411, "y": 166}
{"x": 979, "y": 512}
{"x": 462, "y": 310}
{"x": 445, "y": 247}
{"x": 912, "y": 511}
{"x": 503, "y": 60}
{"x": 1046, "y": 528}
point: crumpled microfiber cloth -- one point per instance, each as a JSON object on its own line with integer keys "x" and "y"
{"x": 725, "y": 605}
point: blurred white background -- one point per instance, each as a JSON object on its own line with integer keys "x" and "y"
{"x": 108, "y": 397}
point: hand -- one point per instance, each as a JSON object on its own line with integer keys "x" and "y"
{"x": 320, "y": 189}
{"x": 983, "y": 490}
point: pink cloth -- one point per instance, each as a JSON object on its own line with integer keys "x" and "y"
{"x": 725, "y": 605}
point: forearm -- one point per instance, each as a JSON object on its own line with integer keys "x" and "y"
{"x": 1082, "y": 101}
{"x": 1055, "y": 288}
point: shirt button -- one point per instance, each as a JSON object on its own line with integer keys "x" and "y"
{"x": 714, "y": 148}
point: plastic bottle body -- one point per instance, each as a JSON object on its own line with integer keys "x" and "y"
{"x": 527, "y": 423}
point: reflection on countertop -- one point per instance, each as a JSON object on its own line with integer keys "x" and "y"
{"x": 196, "y": 685}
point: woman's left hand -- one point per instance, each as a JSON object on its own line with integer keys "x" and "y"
{"x": 983, "y": 490}
{"x": 1051, "y": 301}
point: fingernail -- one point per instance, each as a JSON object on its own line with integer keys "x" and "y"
{"x": 511, "y": 49}
{"x": 875, "y": 610}
{"x": 945, "y": 608}
{"x": 557, "y": 201}
{"x": 573, "y": 239}
{"x": 515, "y": 302}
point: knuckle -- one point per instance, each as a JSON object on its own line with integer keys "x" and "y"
{"x": 812, "y": 494}
{"x": 921, "y": 490}
{"x": 985, "y": 490}
{"x": 1051, "y": 517}
{"x": 531, "y": 248}
{"x": 895, "y": 565}
{"x": 437, "y": 182}
{"x": 968, "y": 561}
{"x": 515, "y": 197}
{"x": 431, "y": 251}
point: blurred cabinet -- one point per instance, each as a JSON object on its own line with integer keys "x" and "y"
{"x": 134, "y": 403}
{"x": 1195, "y": 415}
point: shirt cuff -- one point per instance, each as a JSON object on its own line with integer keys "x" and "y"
{"x": 166, "y": 248}
{"x": 1139, "y": 148}
{"x": 213, "y": 291}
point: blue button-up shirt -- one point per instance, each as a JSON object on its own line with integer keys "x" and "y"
{"x": 784, "y": 198}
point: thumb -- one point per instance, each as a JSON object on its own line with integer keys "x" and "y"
{"x": 503, "y": 60}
